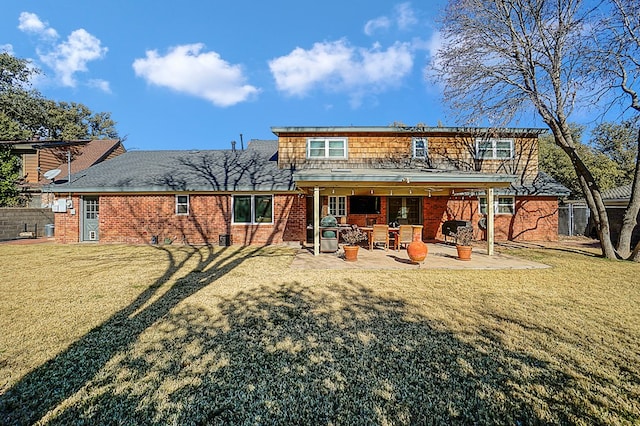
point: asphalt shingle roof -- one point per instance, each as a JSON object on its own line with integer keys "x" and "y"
{"x": 202, "y": 170}
{"x": 88, "y": 155}
{"x": 253, "y": 169}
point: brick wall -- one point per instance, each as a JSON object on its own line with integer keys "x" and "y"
{"x": 13, "y": 221}
{"x": 535, "y": 218}
{"x": 136, "y": 219}
{"x": 68, "y": 224}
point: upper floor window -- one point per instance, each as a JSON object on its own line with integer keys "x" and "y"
{"x": 253, "y": 209}
{"x": 337, "y": 206}
{"x": 420, "y": 148}
{"x": 326, "y": 148}
{"x": 182, "y": 204}
{"x": 494, "y": 148}
{"x": 501, "y": 205}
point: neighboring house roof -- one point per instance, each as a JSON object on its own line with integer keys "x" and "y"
{"x": 542, "y": 185}
{"x": 620, "y": 193}
{"x": 197, "y": 170}
{"x": 90, "y": 153}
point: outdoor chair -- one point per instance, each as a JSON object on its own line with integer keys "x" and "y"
{"x": 379, "y": 235}
{"x": 405, "y": 235}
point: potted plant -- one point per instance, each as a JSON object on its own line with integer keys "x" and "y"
{"x": 352, "y": 236}
{"x": 464, "y": 237}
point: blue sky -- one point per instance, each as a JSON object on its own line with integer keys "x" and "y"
{"x": 197, "y": 74}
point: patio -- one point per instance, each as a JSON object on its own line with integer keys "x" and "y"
{"x": 440, "y": 256}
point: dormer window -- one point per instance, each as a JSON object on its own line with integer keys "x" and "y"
{"x": 494, "y": 149}
{"x": 420, "y": 148}
{"x": 322, "y": 148}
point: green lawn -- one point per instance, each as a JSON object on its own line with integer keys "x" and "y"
{"x": 102, "y": 334}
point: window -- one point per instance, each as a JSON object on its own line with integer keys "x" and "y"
{"x": 91, "y": 208}
{"x": 318, "y": 148}
{"x": 337, "y": 206}
{"x": 364, "y": 205}
{"x": 494, "y": 148}
{"x": 420, "y": 148}
{"x": 252, "y": 209}
{"x": 501, "y": 205}
{"x": 182, "y": 204}
{"x": 405, "y": 210}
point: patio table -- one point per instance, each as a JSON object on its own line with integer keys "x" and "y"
{"x": 392, "y": 232}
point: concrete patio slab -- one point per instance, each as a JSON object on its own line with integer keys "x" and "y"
{"x": 440, "y": 256}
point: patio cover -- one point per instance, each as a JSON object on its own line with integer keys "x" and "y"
{"x": 398, "y": 182}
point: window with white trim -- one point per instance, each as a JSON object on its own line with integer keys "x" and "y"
{"x": 494, "y": 149}
{"x": 322, "y": 148}
{"x": 337, "y": 205}
{"x": 501, "y": 205}
{"x": 252, "y": 209}
{"x": 182, "y": 204}
{"x": 420, "y": 148}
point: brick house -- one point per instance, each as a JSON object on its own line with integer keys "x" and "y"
{"x": 277, "y": 191}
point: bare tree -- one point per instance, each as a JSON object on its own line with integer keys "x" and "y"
{"x": 615, "y": 59}
{"x": 502, "y": 58}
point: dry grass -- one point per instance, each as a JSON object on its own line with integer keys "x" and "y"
{"x": 95, "y": 334}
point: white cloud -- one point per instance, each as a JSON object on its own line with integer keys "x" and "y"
{"x": 336, "y": 66}
{"x": 6, "y": 48}
{"x": 100, "y": 84}
{"x": 68, "y": 57}
{"x": 376, "y": 24}
{"x": 31, "y": 23}
{"x": 300, "y": 70}
{"x": 403, "y": 17}
{"x": 187, "y": 70}
{"x": 432, "y": 46}
{"x": 72, "y": 56}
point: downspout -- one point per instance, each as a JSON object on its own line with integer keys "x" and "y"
{"x": 490, "y": 221}
{"x": 316, "y": 220}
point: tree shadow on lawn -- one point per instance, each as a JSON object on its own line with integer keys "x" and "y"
{"x": 290, "y": 354}
{"x": 44, "y": 388}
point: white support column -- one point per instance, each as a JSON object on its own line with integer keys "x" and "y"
{"x": 316, "y": 220}
{"x": 490, "y": 221}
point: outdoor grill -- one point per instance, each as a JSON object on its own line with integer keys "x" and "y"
{"x": 451, "y": 226}
{"x": 328, "y": 234}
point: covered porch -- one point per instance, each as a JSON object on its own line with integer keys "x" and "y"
{"x": 384, "y": 188}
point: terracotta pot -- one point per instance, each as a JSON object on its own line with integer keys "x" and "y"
{"x": 350, "y": 253}
{"x": 464, "y": 252}
{"x": 417, "y": 250}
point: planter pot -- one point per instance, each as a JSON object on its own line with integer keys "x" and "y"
{"x": 417, "y": 250}
{"x": 350, "y": 253}
{"x": 464, "y": 252}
